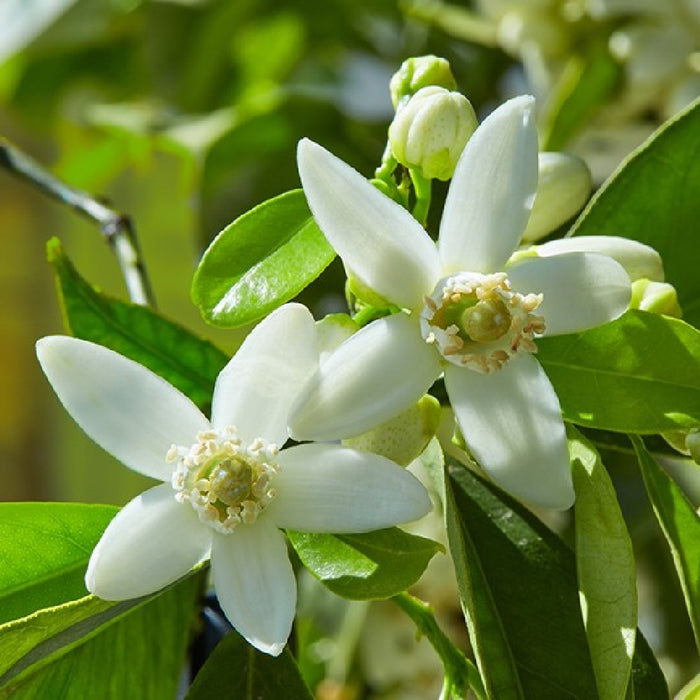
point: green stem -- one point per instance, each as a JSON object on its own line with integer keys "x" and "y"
{"x": 423, "y": 189}
{"x": 386, "y": 170}
{"x": 460, "y": 672}
{"x": 116, "y": 228}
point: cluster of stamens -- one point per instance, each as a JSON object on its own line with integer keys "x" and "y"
{"x": 225, "y": 481}
{"x": 478, "y": 321}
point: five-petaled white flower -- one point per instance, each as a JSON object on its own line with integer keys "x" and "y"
{"x": 472, "y": 311}
{"x": 227, "y": 488}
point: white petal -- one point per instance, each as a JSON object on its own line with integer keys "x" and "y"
{"x": 492, "y": 191}
{"x": 638, "y": 259}
{"x": 150, "y": 543}
{"x": 255, "y": 584}
{"x": 371, "y": 377}
{"x": 257, "y": 387}
{"x": 511, "y": 421}
{"x": 125, "y": 408}
{"x": 328, "y": 488}
{"x": 581, "y": 290}
{"x": 383, "y": 245}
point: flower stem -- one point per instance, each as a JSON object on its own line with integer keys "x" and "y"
{"x": 116, "y": 228}
{"x": 460, "y": 672}
{"x": 423, "y": 190}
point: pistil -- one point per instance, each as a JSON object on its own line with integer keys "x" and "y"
{"x": 225, "y": 481}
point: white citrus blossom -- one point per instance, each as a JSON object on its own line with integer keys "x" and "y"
{"x": 227, "y": 489}
{"x": 468, "y": 312}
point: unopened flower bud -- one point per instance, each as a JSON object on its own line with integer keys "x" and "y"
{"x": 687, "y": 442}
{"x": 430, "y": 131}
{"x": 403, "y": 438}
{"x": 419, "y": 72}
{"x": 563, "y": 187}
{"x": 656, "y": 297}
{"x": 639, "y": 260}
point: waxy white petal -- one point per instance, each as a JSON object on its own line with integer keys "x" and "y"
{"x": 151, "y": 542}
{"x": 511, "y": 421}
{"x": 371, "y": 377}
{"x": 581, "y": 290}
{"x": 492, "y": 191}
{"x": 328, "y": 488}
{"x": 255, "y": 584}
{"x": 256, "y": 388}
{"x": 125, "y": 408}
{"x": 639, "y": 260}
{"x": 378, "y": 240}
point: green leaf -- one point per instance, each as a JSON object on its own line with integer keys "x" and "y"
{"x": 520, "y": 597}
{"x": 653, "y": 198}
{"x": 691, "y": 691}
{"x": 638, "y": 374}
{"x": 237, "y": 670}
{"x": 189, "y": 363}
{"x": 585, "y": 83}
{"x": 93, "y": 648}
{"x": 367, "y": 566}
{"x": 681, "y": 526}
{"x": 261, "y": 260}
{"x": 606, "y": 571}
{"x": 44, "y": 550}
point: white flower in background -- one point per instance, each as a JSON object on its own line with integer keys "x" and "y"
{"x": 469, "y": 312}
{"x": 227, "y": 489}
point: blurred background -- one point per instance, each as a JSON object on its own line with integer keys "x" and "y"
{"x": 183, "y": 114}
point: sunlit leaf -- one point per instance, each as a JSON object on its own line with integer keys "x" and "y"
{"x": 56, "y": 641}
{"x": 92, "y": 648}
{"x": 520, "y": 598}
{"x": 261, "y": 260}
{"x": 367, "y": 566}
{"x": 606, "y": 571}
{"x": 189, "y": 363}
{"x": 653, "y": 198}
{"x": 680, "y": 524}
{"x": 44, "y": 550}
{"x": 237, "y": 670}
{"x": 639, "y": 374}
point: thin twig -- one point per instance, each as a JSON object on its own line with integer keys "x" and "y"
{"x": 117, "y": 229}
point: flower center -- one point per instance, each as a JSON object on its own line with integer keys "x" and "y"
{"x": 225, "y": 481}
{"x": 477, "y": 321}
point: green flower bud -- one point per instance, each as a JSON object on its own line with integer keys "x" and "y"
{"x": 656, "y": 297}
{"x": 419, "y": 72}
{"x": 563, "y": 187}
{"x": 403, "y": 438}
{"x": 430, "y": 131}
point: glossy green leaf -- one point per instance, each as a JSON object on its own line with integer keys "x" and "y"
{"x": 606, "y": 571}
{"x": 237, "y": 670}
{"x": 366, "y": 566}
{"x": 519, "y": 593}
{"x": 44, "y": 550}
{"x": 189, "y": 363}
{"x": 585, "y": 83}
{"x": 681, "y": 526}
{"x": 638, "y": 374}
{"x": 691, "y": 691}
{"x": 260, "y": 261}
{"x": 92, "y": 648}
{"x": 653, "y": 198}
